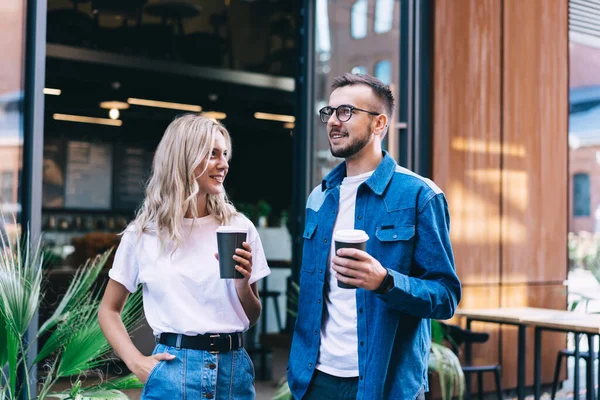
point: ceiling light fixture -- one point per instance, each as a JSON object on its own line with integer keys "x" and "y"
{"x": 163, "y": 104}
{"x": 53, "y": 92}
{"x": 214, "y": 115}
{"x": 119, "y": 105}
{"x": 87, "y": 120}
{"x": 114, "y": 113}
{"x": 274, "y": 117}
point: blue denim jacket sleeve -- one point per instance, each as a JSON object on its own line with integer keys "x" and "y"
{"x": 433, "y": 290}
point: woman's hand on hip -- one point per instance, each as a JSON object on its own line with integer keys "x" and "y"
{"x": 145, "y": 365}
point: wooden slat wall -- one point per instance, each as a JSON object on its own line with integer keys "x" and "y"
{"x": 535, "y": 113}
{"x": 500, "y": 155}
{"x": 467, "y": 109}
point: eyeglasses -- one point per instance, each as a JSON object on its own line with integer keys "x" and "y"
{"x": 343, "y": 112}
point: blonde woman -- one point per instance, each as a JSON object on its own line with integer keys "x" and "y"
{"x": 170, "y": 248}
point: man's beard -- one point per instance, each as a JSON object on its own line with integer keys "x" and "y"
{"x": 353, "y": 148}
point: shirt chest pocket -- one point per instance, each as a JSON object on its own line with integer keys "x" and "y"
{"x": 395, "y": 246}
{"x": 309, "y": 250}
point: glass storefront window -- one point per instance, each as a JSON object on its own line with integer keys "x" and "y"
{"x": 338, "y": 23}
{"x": 584, "y": 144}
{"x": 12, "y": 67}
{"x": 253, "y": 36}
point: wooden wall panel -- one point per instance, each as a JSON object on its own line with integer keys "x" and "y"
{"x": 466, "y": 124}
{"x": 545, "y": 296}
{"x": 535, "y": 133}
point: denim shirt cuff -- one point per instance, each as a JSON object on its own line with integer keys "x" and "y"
{"x": 400, "y": 284}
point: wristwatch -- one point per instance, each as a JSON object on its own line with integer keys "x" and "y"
{"x": 386, "y": 284}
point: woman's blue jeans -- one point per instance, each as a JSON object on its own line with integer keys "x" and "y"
{"x": 198, "y": 374}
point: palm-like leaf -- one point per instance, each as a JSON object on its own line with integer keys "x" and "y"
{"x": 87, "y": 347}
{"x": 78, "y": 290}
{"x": 20, "y": 295}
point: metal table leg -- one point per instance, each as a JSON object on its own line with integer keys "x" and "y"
{"x": 576, "y": 369}
{"x": 521, "y": 362}
{"x": 469, "y": 361}
{"x": 589, "y": 389}
{"x": 597, "y": 394}
{"x": 537, "y": 364}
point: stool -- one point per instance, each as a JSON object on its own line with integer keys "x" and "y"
{"x": 569, "y": 353}
{"x": 457, "y": 336}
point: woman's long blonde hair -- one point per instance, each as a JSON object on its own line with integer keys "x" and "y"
{"x": 173, "y": 189}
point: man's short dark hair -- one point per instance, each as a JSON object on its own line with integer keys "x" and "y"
{"x": 380, "y": 89}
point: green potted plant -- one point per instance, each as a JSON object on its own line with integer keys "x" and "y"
{"x": 75, "y": 344}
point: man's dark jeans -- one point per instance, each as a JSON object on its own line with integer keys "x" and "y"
{"x": 324, "y": 387}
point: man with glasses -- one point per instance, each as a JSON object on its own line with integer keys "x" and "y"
{"x": 370, "y": 342}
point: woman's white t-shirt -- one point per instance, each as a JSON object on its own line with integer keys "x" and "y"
{"x": 183, "y": 292}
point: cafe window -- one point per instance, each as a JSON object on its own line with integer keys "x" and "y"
{"x": 358, "y": 24}
{"x": 384, "y": 12}
{"x": 581, "y": 195}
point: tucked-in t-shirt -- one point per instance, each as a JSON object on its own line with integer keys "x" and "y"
{"x": 182, "y": 289}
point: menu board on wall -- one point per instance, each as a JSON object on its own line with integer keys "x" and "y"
{"x": 53, "y": 178}
{"x": 133, "y": 166}
{"x": 89, "y": 175}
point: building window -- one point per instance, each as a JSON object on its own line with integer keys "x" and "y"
{"x": 383, "y": 71}
{"x": 359, "y": 69}
{"x": 358, "y": 22}
{"x": 581, "y": 195}
{"x": 384, "y": 13}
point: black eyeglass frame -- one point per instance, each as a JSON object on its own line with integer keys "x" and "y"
{"x": 337, "y": 114}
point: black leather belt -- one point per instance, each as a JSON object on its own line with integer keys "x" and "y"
{"x": 213, "y": 342}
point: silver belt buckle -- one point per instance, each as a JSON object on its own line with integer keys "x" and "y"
{"x": 212, "y": 344}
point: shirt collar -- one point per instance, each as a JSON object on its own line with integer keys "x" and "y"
{"x": 377, "y": 182}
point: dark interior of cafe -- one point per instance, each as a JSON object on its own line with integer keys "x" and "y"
{"x": 117, "y": 72}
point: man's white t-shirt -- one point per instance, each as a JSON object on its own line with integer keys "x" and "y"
{"x": 183, "y": 292}
{"x": 338, "y": 351}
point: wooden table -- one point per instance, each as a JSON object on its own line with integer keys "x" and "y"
{"x": 566, "y": 321}
{"x": 541, "y": 319}
{"x": 508, "y": 316}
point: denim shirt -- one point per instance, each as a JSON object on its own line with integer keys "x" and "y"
{"x": 406, "y": 218}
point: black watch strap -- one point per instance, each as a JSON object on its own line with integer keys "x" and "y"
{"x": 385, "y": 283}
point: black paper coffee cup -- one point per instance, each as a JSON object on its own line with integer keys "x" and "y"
{"x": 353, "y": 239}
{"x": 230, "y": 238}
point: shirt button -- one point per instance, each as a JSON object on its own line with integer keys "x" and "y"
{"x": 362, "y": 343}
{"x": 324, "y": 240}
{"x": 361, "y": 377}
{"x": 333, "y": 212}
{"x": 319, "y": 301}
{"x": 360, "y": 217}
{"x": 395, "y": 236}
{"x": 310, "y": 365}
{"x": 315, "y": 332}
{"x": 360, "y": 310}
{"x": 212, "y": 366}
{"x": 320, "y": 271}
